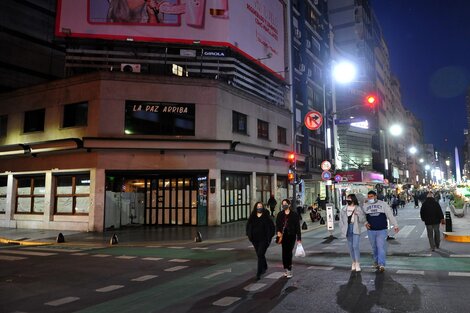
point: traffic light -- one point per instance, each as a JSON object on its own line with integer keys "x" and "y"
{"x": 291, "y": 177}
{"x": 291, "y": 174}
{"x": 371, "y": 100}
{"x": 291, "y": 157}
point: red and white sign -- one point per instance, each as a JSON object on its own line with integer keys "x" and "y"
{"x": 325, "y": 165}
{"x": 326, "y": 175}
{"x": 254, "y": 28}
{"x": 313, "y": 120}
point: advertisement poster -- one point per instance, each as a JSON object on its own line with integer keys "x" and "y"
{"x": 254, "y": 28}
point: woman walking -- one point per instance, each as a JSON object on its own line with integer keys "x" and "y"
{"x": 351, "y": 219}
{"x": 260, "y": 231}
{"x": 288, "y": 228}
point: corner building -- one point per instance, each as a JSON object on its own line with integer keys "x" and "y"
{"x": 110, "y": 149}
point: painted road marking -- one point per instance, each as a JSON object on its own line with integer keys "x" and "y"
{"x": 420, "y": 254}
{"x": 225, "y": 249}
{"x": 53, "y": 249}
{"x": 200, "y": 248}
{"x": 329, "y": 248}
{"x": 424, "y": 234}
{"x": 11, "y": 258}
{"x": 175, "y": 247}
{"x": 179, "y": 260}
{"x": 461, "y": 274}
{"x": 323, "y": 268}
{"x": 153, "y": 246}
{"x": 174, "y": 269}
{"x": 144, "y": 278}
{"x": 152, "y": 259}
{"x": 109, "y": 288}
{"x": 101, "y": 255}
{"x": 126, "y": 257}
{"x": 459, "y": 255}
{"x": 62, "y": 301}
{"x": 217, "y": 273}
{"x": 410, "y": 272}
{"x": 80, "y": 253}
{"x": 32, "y": 253}
{"x": 405, "y": 231}
{"x": 254, "y": 287}
{"x": 275, "y": 275}
{"x": 226, "y": 301}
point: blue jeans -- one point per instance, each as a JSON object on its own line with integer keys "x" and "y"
{"x": 353, "y": 243}
{"x": 378, "y": 242}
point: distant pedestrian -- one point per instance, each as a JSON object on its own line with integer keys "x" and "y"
{"x": 377, "y": 212}
{"x": 432, "y": 216}
{"x": 272, "y": 204}
{"x": 351, "y": 218}
{"x": 288, "y": 228}
{"x": 260, "y": 231}
{"x": 395, "y": 202}
{"x": 415, "y": 197}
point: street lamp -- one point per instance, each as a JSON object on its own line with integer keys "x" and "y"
{"x": 396, "y": 130}
{"x": 344, "y": 72}
{"x": 413, "y": 150}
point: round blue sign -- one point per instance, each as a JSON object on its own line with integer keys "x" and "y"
{"x": 326, "y": 175}
{"x": 338, "y": 178}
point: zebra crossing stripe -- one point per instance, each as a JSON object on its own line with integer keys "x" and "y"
{"x": 179, "y": 260}
{"x": 175, "y": 268}
{"x": 101, "y": 255}
{"x": 424, "y": 234}
{"x": 62, "y": 301}
{"x": 410, "y": 272}
{"x": 405, "y": 231}
{"x": 459, "y": 255}
{"x": 126, "y": 257}
{"x": 200, "y": 248}
{"x": 323, "y": 268}
{"x": 275, "y": 275}
{"x": 226, "y": 301}
{"x": 225, "y": 249}
{"x": 109, "y": 288}
{"x": 144, "y": 278}
{"x": 254, "y": 287}
{"x": 461, "y": 274}
{"x": 152, "y": 259}
{"x": 80, "y": 253}
{"x": 31, "y": 253}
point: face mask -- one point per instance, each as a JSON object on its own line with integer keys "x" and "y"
{"x": 371, "y": 200}
{"x": 259, "y": 210}
{"x": 349, "y": 202}
{"x": 285, "y": 206}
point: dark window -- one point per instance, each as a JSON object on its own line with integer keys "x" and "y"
{"x": 3, "y": 125}
{"x": 263, "y": 129}
{"x": 72, "y": 194}
{"x": 281, "y": 135}
{"x": 34, "y": 121}
{"x": 30, "y": 194}
{"x": 160, "y": 118}
{"x": 3, "y": 194}
{"x": 239, "y": 121}
{"x": 75, "y": 114}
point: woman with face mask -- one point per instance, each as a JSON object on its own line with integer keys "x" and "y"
{"x": 288, "y": 227}
{"x": 351, "y": 218}
{"x": 260, "y": 231}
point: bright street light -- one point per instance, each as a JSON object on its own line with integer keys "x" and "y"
{"x": 413, "y": 150}
{"x": 421, "y": 160}
{"x": 344, "y": 72}
{"x": 427, "y": 167}
{"x": 396, "y": 130}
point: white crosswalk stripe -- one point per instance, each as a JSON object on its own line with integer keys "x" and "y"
{"x": 175, "y": 268}
{"x": 109, "y": 288}
{"x": 405, "y": 231}
{"x": 226, "y": 301}
{"x": 62, "y": 301}
{"x": 144, "y": 278}
{"x": 424, "y": 234}
{"x": 254, "y": 287}
{"x": 31, "y": 253}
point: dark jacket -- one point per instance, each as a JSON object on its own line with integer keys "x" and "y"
{"x": 292, "y": 226}
{"x": 431, "y": 212}
{"x": 260, "y": 228}
{"x": 272, "y": 202}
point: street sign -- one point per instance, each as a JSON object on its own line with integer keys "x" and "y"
{"x": 326, "y": 175}
{"x": 313, "y": 120}
{"x": 329, "y": 217}
{"x": 338, "y": 178}
{"x": 349, "y": 120}
{"x": 325, "y": 165}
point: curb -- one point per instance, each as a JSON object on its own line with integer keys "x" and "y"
{"x": 24, "y": 243}
{"x": 456, "y": 237}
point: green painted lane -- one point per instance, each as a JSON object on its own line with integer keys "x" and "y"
{"x": 172, "y": 292}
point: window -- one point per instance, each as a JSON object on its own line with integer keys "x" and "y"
{"x": 34, "y": 121}
{"x": 72, "y": 194}
{"x": 239, "y": 121}
{"x": 75, "y": 114}
{"x": 30, "y": 194}
{"x": 263, "y": 130}
{"x": 281, "y": 135}
{"x": 3, "y": 194}
{"x": 3, "y": 125}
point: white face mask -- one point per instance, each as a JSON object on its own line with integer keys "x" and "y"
{"x": 371, "y": 200}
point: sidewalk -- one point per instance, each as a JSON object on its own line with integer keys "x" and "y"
{"x": 460, "y": 226}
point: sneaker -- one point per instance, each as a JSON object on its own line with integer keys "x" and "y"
{"x": 358, "y": 267}
{"x": 353, "y": 267}
{"x": 288, "y": 274}
{"x": 381, "y": 268}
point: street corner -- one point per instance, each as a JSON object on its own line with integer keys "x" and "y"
{"x": 23, "y": 242}
{"x": 457, "y": 236}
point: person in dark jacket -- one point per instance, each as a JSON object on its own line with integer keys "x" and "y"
{"x": 288, "y": 227}
{"x": 431, "y": 215}
{"x": 260, "y": 231}
{"x": 272, "y": 204}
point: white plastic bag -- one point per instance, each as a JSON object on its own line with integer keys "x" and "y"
{"x": 299, "y": 251}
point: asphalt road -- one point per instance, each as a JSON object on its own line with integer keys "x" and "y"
{"x": 200, "y": 277}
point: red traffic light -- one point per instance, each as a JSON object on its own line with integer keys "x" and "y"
{"x": 291, "y": 157}
{"x": 291, "y": 177}
{"x": 371, "y": 100}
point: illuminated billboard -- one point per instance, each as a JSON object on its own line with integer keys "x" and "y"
{"x": 254, "y": 28}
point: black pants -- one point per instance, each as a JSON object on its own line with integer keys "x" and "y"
{"x": 288, "y": 244}
{"x": 260, "y": 248}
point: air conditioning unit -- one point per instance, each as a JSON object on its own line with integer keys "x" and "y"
{"x": 130, "y": 67}
{"x": 297, "y": 33}
{"x": 309, "y": 73}
{"x": 302, "y": 67}
{"x": 309, "y": 44}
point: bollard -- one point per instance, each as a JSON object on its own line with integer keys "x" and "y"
{"x": 60, "y": 238}
{"x": 304, "y": 226}
{"x": 198, "y": 237}
{"x": 114, "y": 240}
{"x": 448, "y": 222}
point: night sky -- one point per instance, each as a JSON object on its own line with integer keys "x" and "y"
{"x": 429, "y": 46}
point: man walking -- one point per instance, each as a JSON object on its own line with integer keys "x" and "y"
{"x": 377, "y": 212}
{"x": 431, "y": 215}
{"x": 272, "y": 204}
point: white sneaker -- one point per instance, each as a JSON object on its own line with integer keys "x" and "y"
{"x": 358, "y": 267}
{"x": 353, "y": 267}
{"x": 288, "y": 274}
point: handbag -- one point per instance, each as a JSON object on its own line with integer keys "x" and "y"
{"x": 279, "y": 238}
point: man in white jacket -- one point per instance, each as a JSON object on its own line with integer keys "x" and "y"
{"x": 377, "y": 212}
